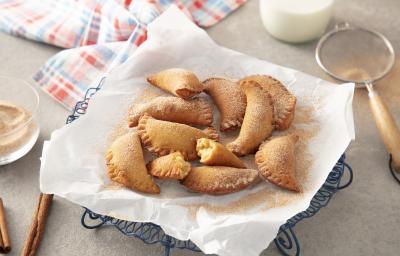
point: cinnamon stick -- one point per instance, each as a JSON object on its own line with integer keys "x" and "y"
{"x": 5, "y": 243}
{"x": 38, "y": 225}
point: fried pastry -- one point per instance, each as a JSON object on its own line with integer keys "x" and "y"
{"x": 214, "y": 153}
{"x": 229, "y": 99}
{"x": 180, "y": 82}
{"x": 125, "y": 164}
{"x": 276, "y": 161}
{"x": 284, "y": 101}
{"x": 172, "y": 166}
{"x": 163, "y": 137}
{"x": 192, "y": 112}
{"x": 257, "y": 122}
{"x": 218, "y": 180}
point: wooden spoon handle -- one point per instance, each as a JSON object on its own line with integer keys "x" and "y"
{"x": 387, "y": 127}
{"x": 38, "y": 224}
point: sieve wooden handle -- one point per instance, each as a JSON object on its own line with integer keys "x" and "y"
{"x": 387, "y": 127}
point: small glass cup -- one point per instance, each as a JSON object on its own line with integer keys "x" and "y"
{"x": 296, "y": 21}
{"x": 19, "y": 129}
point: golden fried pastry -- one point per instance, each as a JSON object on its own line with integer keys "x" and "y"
{"x": 218, "y": 180}
{"x": 193, "y": 112}
{"x": 214, "y": 153}
{"x": 172, "y": 166}
{"x": 163, "y": 137}
{"x": 229, "y": 99}
{"x": 284, "y": 101}
{"x": 276, "y": 161}
{"x": 180, "y": 82}
{"x": 125, "y": 164}
{"x": 257, "y": 122}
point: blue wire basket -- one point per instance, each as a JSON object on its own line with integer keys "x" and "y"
{"x": 286, "y": 240}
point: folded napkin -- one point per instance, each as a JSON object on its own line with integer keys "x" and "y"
{"x": 101, "y": 33}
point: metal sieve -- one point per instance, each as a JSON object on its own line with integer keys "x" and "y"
{"x": 362, "y": 56}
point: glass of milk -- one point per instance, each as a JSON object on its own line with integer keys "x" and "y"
{"x": 296, "y": 21}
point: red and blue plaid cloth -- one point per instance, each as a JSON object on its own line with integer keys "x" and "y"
{"x": 100, "y": 33}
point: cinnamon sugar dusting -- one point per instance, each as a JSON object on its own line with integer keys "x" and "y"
{"x": 196, "y": 111}
{"x": 270, "y": 196}
{"x": 265, "y": 196}
{"x": 113, "y": 186}
{"x": 148, "y": 94}
{"x": 223, "y": 91}
{"x": 284, "y": 102}
{"x": 264, "y": 199}
{"x": 120, "y": 129}
{"x": 122, "y": 126}
{"x": 306, "y": 128}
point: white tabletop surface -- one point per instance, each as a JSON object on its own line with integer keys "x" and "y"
{"x": 360, "y": 220}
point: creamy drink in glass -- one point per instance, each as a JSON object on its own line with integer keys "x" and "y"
{"x": 296, "y": 21}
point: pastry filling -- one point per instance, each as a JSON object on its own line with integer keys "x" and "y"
{"x": 182, "y": 165}
{"x": 205, "y": 148}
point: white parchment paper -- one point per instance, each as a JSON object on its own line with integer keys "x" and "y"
{"x": 73, "y": 164}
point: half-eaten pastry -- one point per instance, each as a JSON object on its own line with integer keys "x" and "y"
{"x": 172, "y": 166}
{"x": 214, "y": 153}
{"x": 163, "y": 137}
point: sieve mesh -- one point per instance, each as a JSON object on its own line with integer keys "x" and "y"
{"x": 355, "y": 54}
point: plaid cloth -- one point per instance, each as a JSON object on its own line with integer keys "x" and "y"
{"x": 100, "y": 33}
